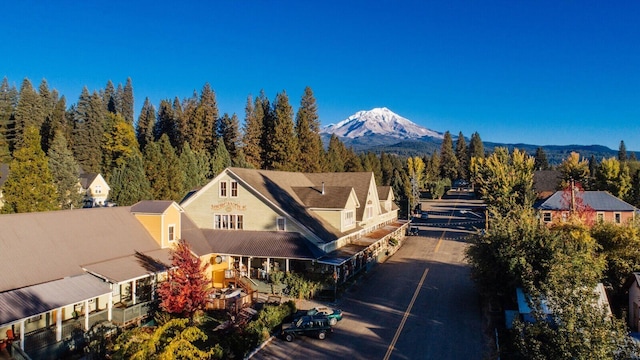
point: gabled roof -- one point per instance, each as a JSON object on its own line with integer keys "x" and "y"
{"x": 360, "y": 181}
{"x": 33, "y": 300}
{"x": 384, "y": 193}
{"x": 86, "y": 179}
{"x": 152, "y": 206}
{"x": 131, "y": 266}
{"x": 277, "y": 187}
{"x": 597, "y": 200}
{"x": 46, "y": 246}
{"x": 333, "y": 197}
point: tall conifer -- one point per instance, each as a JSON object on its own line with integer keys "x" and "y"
{"x": 448, "y": 160}
{"x": 252, "y": 133}
{"x": 8, "y": 103}
{"x": 29, "y": 112}
{"x": 229, "y": 132}
{"x": 129, "y": 183}
{"x": 282, "y": 151}
{"x": 29, "y": 186}
{"x": 462, "y": 156}
{"x": 127, "y": 102}
{"x": 308, "y": 132}
{"x": 65, "y": 171}
{"x": 146, "y": 121}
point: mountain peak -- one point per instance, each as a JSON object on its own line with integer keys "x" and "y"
{"x": 379, "y": 121}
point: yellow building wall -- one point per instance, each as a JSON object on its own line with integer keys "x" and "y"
{"x": 153, "y": 224}
{"x": 172, "y": 217}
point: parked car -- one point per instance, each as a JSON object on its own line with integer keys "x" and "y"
{"x": 334, "y": 315}
{"x": 310, "y": 325}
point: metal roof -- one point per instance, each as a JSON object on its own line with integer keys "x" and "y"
{"x": 132, "y": 266}
{"x": 275, "y": 244}
{"x": 597, "y": 200}
{"x": 46, "y": 246}
{"x": 37, "y": 299}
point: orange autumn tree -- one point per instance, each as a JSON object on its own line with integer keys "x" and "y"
{"x": 186, "y": 289}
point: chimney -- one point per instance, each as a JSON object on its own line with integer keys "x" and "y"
{"x": 323, "y": 188}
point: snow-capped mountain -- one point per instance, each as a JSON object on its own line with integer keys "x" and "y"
{"x": 379, "y": 121}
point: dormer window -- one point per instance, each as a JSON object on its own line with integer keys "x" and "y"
{"x": 349, "y": 218}
{"x": 368, "y": 212}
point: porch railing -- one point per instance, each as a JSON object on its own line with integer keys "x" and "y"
{"x": 125, "y": 316}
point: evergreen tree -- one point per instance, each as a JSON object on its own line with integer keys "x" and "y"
{"x": 352, "y": 162}
{"x": 268, "y": 123}
{"x": 252, "y": 133}
{"x": 187, "y": 127}
{"x": 206, "y": 118}
{"x": 163, "y": 169}
{"x": 88, "y": 131}
{"x": 109, "y": 98}
{"x": 448, "y": 160}
{"x": 166, "y": 123}
{"x": 229, "y": 132}
{"x": 8, "y": 103}
{"x": 433, "y": 168}
{"x": 622, "y": 152}
{"x": 127, "y": 102}
{"x": 5, "y": 153}
{"x": 29, "y": 186}
{"x": 119, "y": 143}
{"x": 129, "y": 183}
{"x": 66, "y": 172}
{"x": 220, "y": 159}
{"x": 281, "y": 151}
{"x": 307, "y": 129}
{"x": 146, "y": 121}
{"x": 386, "y": 167}
{"x": 462, "y": 156}
{"x": 336, "y": 155}
{"x": 118, "y": 98}
{"x": 541, "y": 162}
{"x": 476, "y": 147}
{"x": 55, "y": 122}
{"x": 29, "y": 112}
{"x": 195, "y": 174}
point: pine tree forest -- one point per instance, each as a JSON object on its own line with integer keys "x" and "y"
{"x": 178, "y": 145}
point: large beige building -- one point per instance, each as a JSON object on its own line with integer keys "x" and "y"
{"x": 70, "y": 269}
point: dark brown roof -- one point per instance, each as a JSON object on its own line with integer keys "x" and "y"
{"x": 360, "y": 182}
{"x": 276, "y": 244}
{"x": 194, "y": 236}
{"x": 33, "y": 300}
{"x": 151, "y": 206}
{"x": 334, "y": 197}
{"x": 86, "y": 179}
{"x": 46, "y": 246}
{"x": 545, "y": 181}
{"x": 384, "y": 192}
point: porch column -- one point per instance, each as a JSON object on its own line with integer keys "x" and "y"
{"x": 110, "y": 307}
{"x": 59, "y": 324}
{"x": 133, "y": 291}
{"x": 86, "y": 314}
{"x": 240, "y": 267}
{"x": 286, "y": 264}
{"x": 21, "y": 334}
{"x": 268, "y": 269}
{"x": 249, "y": 267}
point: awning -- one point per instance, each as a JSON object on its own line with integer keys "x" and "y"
{"x": 37, "y": 299}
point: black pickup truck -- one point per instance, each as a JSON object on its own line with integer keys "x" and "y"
{"x": 311, "y": 325}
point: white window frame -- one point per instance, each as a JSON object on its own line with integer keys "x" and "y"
{"x": 544, "y": 216}
{"x": 281, "y": 224}
{"x": 228, "y": 221}
{"x": 223, "y": 189}
{"x": 617, "y": 217}
{"x": 349, "y": 217}
{"x": 368, "y": 212}
{"x": 171, "y": 232}
{"x": 234, "y": 189}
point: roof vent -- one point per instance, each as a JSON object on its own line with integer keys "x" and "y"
{"x": 323, "y": 188}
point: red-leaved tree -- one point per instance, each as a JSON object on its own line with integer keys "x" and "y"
{"x": 572, "y": 200}
{"x": 186, "y": 289}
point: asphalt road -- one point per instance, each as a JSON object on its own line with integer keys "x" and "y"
{"x": 419, "y": 304}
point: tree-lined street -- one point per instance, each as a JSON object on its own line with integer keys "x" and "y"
{"x": 419, "y": 304}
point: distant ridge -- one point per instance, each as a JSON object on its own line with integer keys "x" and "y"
{"x": 382, "y": 130}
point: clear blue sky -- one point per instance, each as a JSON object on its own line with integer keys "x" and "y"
{"x": 538, "y": 72}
